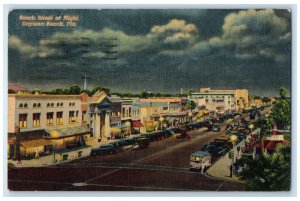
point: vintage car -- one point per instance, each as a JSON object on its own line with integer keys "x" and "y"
{"x": 200, "y": 160}
{"x": 103, "y": 149}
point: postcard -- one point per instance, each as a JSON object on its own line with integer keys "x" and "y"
{"x": 149, "y": 100}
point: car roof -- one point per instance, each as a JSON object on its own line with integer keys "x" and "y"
{"x": 200, "y": 154}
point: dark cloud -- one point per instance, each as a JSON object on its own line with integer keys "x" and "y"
{"x": 162, "y": 51}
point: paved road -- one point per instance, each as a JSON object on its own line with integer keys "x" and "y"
{"x": 164, "y": 166}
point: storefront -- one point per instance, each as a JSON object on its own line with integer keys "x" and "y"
{"x": 69, "y": 137}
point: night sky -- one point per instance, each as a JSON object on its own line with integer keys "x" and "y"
{"x": 157, "y": 50}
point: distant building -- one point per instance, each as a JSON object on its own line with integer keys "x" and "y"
{"x": 150, "y": 110}
{"x": 221, "y": 100}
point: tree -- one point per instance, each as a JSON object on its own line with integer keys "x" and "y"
{"x": 100, "y": 88}
{"x": 271, "y": 172}
{"x": 281, "y": 110}
{"x": 74, "y": 89}
{"x": 10, "y": 91}
{"x": 266, "y": 100}
{"x": 264, "y": 124}
{"x": 191, "y": 105}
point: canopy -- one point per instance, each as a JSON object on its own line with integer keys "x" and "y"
{"x": 137, "y": 124}
{"x": 68, "y": 131}
{"x": 36, "y": 143}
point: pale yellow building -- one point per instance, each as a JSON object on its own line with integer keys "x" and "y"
{"x": 221, "y": 100}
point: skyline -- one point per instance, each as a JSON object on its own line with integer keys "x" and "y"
{"x": 169, "y": 50}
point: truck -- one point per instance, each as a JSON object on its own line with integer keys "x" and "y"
{"x": 200, "y": 161}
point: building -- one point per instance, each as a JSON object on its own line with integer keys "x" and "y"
{"x": 99, "y": 112}
{"x": 151, "y": 111}
{"x": 39, "y": 121}
{"x": 221, "y": 100}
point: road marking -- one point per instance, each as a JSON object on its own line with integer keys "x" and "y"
{"x": 220, "y": 186}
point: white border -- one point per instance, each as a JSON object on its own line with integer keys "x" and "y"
{"x": 212, "y": 4}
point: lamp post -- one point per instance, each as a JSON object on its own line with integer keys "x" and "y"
{"x": 190, "y": 116}
{"x": 161, "y": 119}
{"x": 233, "y": 138}
{"x": 251, "y": 127}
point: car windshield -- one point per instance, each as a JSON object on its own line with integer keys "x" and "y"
{"x": 106, "y": 146}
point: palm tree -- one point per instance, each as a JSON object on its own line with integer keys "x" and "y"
{"x": 270, "y": 172}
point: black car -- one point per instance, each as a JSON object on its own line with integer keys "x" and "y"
{"x": 142, "y": 143}
{"x": 214, "y": 150}
{"x": 221, "y": 144}
{"x": 104, "y": 149}
{"x": 118, "y": 145}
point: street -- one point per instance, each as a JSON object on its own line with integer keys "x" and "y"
{"x": 164, "y": 166}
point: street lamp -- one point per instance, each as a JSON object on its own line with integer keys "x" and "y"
{"x": 161, "y": 119}
{"x": 251, "y": 127}
{"x": 190, "y": 116}
{"x": 233, "y": 138}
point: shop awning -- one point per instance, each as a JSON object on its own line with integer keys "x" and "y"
{"x": 35, "y": 143}
{"x": 115, "y": 130}
{"x": 137, "y": 124}
{"x": 68, "y": 131}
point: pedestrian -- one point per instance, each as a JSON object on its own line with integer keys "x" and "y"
{"x": 188, "y": 134}
{"x": 230, "y": 170}
{"x": 36, "y": 153}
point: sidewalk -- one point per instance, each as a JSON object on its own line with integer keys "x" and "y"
{"x": 221, "y": 168}
{"x": 63, "y": 157}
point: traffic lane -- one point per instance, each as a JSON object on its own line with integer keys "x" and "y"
{"x": 130, "y": 156}
{"x": 56, "y": 174}
{"x": 180, "y": 157}
{"x": 136, "y": 179}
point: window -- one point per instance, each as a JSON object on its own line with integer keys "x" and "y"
{"x": 21, "y": 105}
{"x": 126, "y": 113}
{"x": 59, "y": 118}
{"x": 61, "y": 104}
{"x": 130, "y": 112}
{"x": 39, "y": 105}
{"x": 25, "y": 105}
{"x": 70, "y": 104}
{"x": 34, "y": 104}
{"x": 77, "y": 116}
{"x": 49, "y": 118}
{"x": 73, "y": 104}
{"x": 52, "y": 104}
{"x": 71, "y": 116}
{"x": 36, "y": 119}
{"x": 123, "y": 112}
{"x": 165, "y": 108}
{"x": 83, "y": 116}
{"x": 22, "y": 120}
{"x": 57, "y": 104}
{"x": 48, "y": 104}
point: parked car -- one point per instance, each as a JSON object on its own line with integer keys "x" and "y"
{"x": 221, "y": 144}
{"x": 142, "y": 143}
{"x": 118, "y": 145}
{"x": 216, "y": 128}
{"x": 214, "y": 150}
{"x": 182, "y": 134}
{"x": 104, "y": 149}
